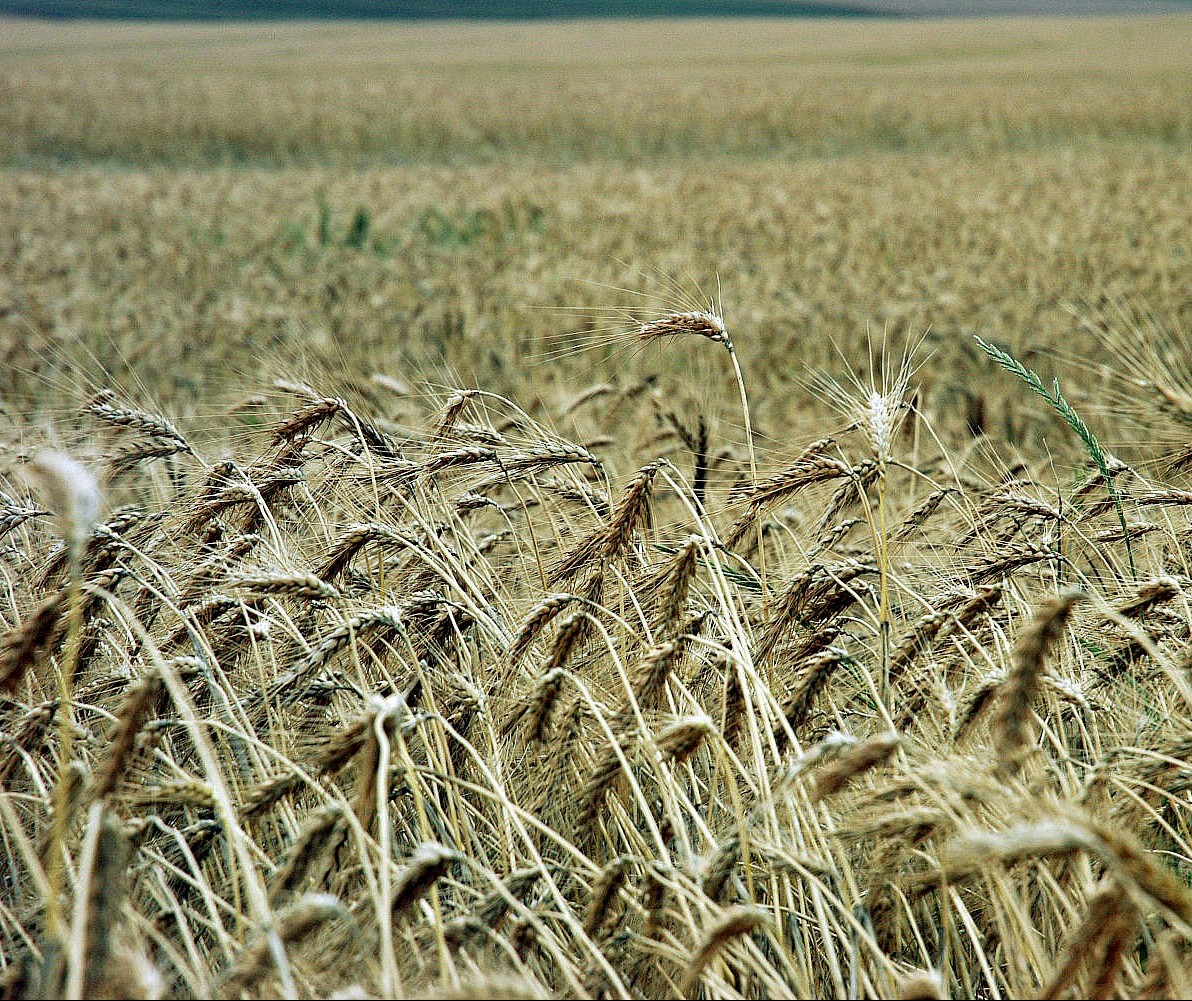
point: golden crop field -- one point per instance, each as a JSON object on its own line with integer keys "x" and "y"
{"x": 596, "y": 509}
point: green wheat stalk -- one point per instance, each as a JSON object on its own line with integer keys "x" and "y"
{"x": 1070, "y": 417}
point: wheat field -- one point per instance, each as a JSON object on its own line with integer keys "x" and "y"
{"x": 597, "y": 510}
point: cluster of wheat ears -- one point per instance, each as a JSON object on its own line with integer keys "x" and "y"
{"x": 457, "y": 710}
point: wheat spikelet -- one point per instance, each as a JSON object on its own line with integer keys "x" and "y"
{"x": 918, "y": 639}
{"x": 590, "y": 551}
{"x": 656, "y": 879}
{"x": 127, "y": 459}
{"x": 305, "y": 419}
{"x": 334, "y": 754}
{"x": 919, "y": 516}
{"x": 1018, "y": 509}
{"x": 922, "y": 985}
{"x": 732, "y": 704}
{"x": 355, "y": 538}
{"x": 230, "y": 496}
{"x": 1147, "y": 595}
{"x": 98, "y": 551}
{"x": 290, "y": 435}
{"x": 364, "y": 796}
{"x": 542, "y": 704}
{"x": 1167, "y": 975}
{"x": 270, "y": 489}
{"x": 299, "y": 585}
{"x": 697, "y": 323}
{"x": 604, "y": 892}
{"x": 517, "y": 885}
{"x": 538, "y": 618}
{"x": 853, "y": 762}
{"x": 1146, "y": 498}
{"x": 204, "y": 613}
{"x": 817, "y": 595}
{"x": 27, "y": 737}
{"x": 1067, "y": 690}
{"x": 298, "y": 921}
{"x": 1134, "y": 530}
{"x": 377, "y": 444}
{"x": 449, "y": 413}
{"x": 1134, "y": 864}
{"x": 1008, "y": 561}
{"x": 14, "y": 514}
{"x": 396, "y": 473}
{"x": 862, "y": 476}
{"x": 595, "y": 500}
{"x": 486, "y": 544}
{"x": 133, "y": 419}
{"x": 20, "y": 646}
{"x": 734, "y": 924}
{"x": 632, "y": 513}
{"x": 136, "y": 706}
{"x": 648, "y": 679}
{"x": 478, "y": 434}
{"x": 1180, "y": 459}
{"x": 670, "y": 586}
{"x": 982, "y": 696}
{"x": 386, "y": 619}
{"x": 973, "y": 605}
{"x": 546, "y": 456}
{"x": 1098, "y": 941}
{"x": 572, "y": 631}
{"x": 182, "y": 792}
{"x": 830, "y": 539}
{"x": 471, "y": 501}
{"x": 967, "y": 856}
{"x": 601, "y": 779}
{"x": 457, "y": 457}
{"x": 812, "y": 677}
{"x": 1017, "y": 693}
{"x": 779, "y": 485}
{"x": 610, "y": 541}
{"x": 215, "y": 568}
{"x": 761, "y": 496}
{"x": 321, "y": 830}
{"x": 462, "y": 930}
{"x": 681, "y": 739}
{"x": 425, "y": 868}
{"x": 69, "y": 785}
{"x": 720, "y": 867}
{"x": 910, "y": 825}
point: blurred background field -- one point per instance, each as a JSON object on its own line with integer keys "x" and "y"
{"x": 408, "y": 197}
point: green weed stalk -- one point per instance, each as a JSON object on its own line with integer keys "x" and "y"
{"x": 1070, "y": 417}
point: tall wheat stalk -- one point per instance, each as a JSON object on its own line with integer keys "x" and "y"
{"x": 73, "y": 496}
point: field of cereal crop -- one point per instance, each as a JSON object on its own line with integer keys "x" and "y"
{"x": 596, "y": 509}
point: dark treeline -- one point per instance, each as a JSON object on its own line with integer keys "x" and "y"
{"x": 201, "y": 10}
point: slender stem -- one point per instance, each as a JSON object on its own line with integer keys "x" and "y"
{"x": 66, "y": 669}
{"x": 761, "y": 547}
{"x": 390, "y": 974}
{"x": 883, "y": 564}
{"x": 880, "y": 690}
